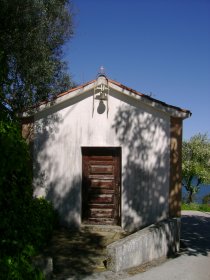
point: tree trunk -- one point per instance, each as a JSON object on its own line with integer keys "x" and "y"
{"x": 190, "y": 197}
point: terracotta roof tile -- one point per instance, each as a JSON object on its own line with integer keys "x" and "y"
{"x": 148, "y": 97}
{"x": 122, "y": 87}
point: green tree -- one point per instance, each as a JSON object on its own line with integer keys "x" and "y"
{"x": 32, "y": 33}
{"x": 195, "y": 164}
{"x": 26, "y": 223}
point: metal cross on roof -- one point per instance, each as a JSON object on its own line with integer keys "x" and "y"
{"x": 102, "y": 70}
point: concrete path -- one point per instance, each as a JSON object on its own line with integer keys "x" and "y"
{"x": 193, "y": 262}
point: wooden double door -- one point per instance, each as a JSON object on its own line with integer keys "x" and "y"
{"x": 101, "y": 182}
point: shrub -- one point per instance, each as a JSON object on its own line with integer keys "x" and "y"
{"x": 42, "y": 219}
{"x": 24, "y": 239}
{"x": 206, "y": 199}
{"x": 19, "y": 267}
{"x": 26, "y": 223}
{"x": 15, "y": 186}
{"x": 196, "y": 207}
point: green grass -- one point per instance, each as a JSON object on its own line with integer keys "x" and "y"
{"x": 196, "y": 206}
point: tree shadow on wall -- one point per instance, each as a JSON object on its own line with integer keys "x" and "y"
{"x": 53, "y": 178}
{"x": 74, "y": 253}
{"x": 67, "y": 200}
{"x": 47, "y": 125}
{"x": 145, "y": 171}
{"x": 44, "y": 129}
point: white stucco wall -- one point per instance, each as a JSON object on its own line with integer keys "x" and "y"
{"x": 141, "y": 132}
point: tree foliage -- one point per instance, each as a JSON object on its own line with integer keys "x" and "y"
{"x": 32, "y": 33}
{"x": 195, "y": 163}
{"x": 26, "y": 223}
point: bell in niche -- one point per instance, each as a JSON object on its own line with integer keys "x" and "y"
{"x": 101, "y": 92}
{"x": 102, "y": 96}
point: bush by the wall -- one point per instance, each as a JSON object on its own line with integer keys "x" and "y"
{"x": 15, "y": 186}
{"x": 19, "y": 267}
{"x": 206, "y": 199}
{"x": 196, "y": 207}
{"x": 42, "y": 218}
{"x": 25, "y": 222}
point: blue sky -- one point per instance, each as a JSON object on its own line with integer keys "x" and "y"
{"x": 153, "y": 46}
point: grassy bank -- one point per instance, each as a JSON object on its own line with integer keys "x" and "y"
{"x": 196, "y": 206}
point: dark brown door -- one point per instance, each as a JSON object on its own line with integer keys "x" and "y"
{"x": 101, "y": 185}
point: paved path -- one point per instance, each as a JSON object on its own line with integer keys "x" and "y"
{"x": 194, "y": 261}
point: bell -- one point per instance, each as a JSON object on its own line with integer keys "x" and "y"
{"x": 101, "y": 90}
{"x": 102, "y": 96}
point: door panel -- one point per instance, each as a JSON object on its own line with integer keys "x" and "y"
{"x": 101, "y": 185}
{"x": 103, "y": 169}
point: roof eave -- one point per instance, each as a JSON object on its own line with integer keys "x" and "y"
{"x": 170, "y": 110}
{"x": 61, "y": 98}
{"x": 151, "y": 102}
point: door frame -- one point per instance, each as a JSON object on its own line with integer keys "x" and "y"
{"x": 88, "y": 150}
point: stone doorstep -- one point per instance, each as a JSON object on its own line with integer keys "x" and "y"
{"x": 101, "y": 228}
